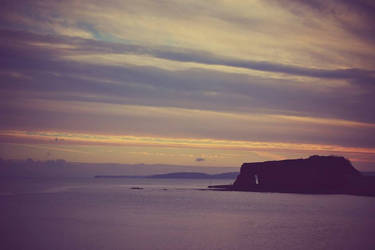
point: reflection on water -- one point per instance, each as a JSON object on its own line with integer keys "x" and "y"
{"x": 174, "y": 214}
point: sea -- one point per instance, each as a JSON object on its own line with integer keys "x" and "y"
{"x": 64, "y": 213}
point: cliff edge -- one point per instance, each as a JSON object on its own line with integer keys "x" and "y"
{"x": 316, "y": 174}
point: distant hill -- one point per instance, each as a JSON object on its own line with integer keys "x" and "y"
{"x": 195, "y": 175}
{"x": 179, "y": 175}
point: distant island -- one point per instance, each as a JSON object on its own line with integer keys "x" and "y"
{"x": 178, "y": 175}
{"x": 315, "y": 175}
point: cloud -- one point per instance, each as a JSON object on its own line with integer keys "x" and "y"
{"x": 44, "y": 137}
{"x": 235, "y": 29}
{"x": 86, "y": 48}
{"x": 111, "y": 70}
{"x": 200, "y": 159}
{"x": 354, "y": 16}
{"x": 120, "y": 119}
{"x": 80, "y": 95}
{"x": 294, "y": 71}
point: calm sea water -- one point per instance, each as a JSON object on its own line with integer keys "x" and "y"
{"x": 88, "y": 213}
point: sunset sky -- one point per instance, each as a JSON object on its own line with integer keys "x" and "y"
{"x": 205, "y": 83}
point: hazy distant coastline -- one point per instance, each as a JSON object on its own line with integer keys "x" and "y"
{"x": 178, "y": 175}
{"x": 62, "y": 168}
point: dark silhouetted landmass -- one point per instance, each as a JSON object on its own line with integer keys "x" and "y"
{"x": 29, "y": 168}
{"x": 316, "y": 174}
{"x": 178, "y": 175}
{"x": 195, "y": 175}
{"x": 368, "y": 173}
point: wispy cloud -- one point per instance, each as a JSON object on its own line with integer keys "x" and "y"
{"x": 289, "y": 72}
{"x": 97, "y": 139}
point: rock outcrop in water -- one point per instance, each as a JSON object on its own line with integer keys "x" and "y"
{"x": 316, "y": 174}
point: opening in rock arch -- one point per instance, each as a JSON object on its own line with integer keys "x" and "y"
{"x": 256, "y": 179}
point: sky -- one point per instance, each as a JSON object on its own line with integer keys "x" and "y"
{"x": 205, "y": 83}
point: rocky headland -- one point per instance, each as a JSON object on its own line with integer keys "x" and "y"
{"x": 315, "y": 175}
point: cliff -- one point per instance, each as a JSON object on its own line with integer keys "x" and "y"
{"x": 316, "y": 174}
